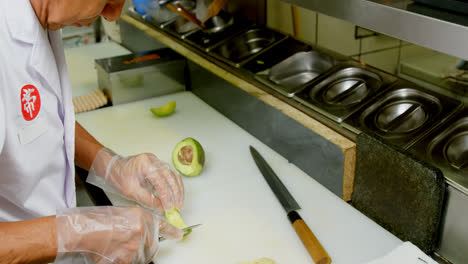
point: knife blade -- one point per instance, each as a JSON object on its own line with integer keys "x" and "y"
{"x": 309, "y": 240}
{"x": 161, "y": 238}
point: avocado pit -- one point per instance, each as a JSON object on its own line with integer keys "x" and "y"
{"x": 186, "y": 155}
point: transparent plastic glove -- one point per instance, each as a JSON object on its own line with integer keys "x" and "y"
{"x": 142, "y": 178}
{"x": 110, "y": 235}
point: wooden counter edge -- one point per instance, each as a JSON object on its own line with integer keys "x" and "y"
{"x": 347, "y": 146}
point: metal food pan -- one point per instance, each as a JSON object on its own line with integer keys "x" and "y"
{"x": 217, "y": 31}
{"x": 299, "y": 69}
{"x": 291, "y": 74}
{"x": 404, "y": 114}
{"x": 447, "y": 148}
{"x": 261, "y": 65}
{"x": 343, "y": 90}
{"x": 246, "y": 45}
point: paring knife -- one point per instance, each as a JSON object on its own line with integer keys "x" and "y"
{"x": 311, "y": 243}
{"x": 161, "y": 238}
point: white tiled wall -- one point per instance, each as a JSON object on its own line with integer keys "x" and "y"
{"x": 279, "y": 16}
{"x": 308, "y": 24}
{"x": 380, "y": 51}
{"x": 386, "y": 60}
{"x": 337, "y": 35}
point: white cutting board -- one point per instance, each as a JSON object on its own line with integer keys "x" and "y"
{"x": 241, "y": 218}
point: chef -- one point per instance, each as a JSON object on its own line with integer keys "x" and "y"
{"x": 40, "y": 143}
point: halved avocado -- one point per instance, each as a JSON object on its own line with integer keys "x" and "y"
{"x": 164, "y": 110}
{"x": 174, "y": 218}
{"x": 188, "y": 157}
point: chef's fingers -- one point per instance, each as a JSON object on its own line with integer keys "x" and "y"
{"x": 177, "y": 192}
{"x": 181, "y": 200}
{"x": 163, "y": 190}
{"x": 175, "y": 189}
{"x": 169, "y": 231}
{"x": 148, "y": 199}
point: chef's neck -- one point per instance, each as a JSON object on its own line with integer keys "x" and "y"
{"x": 42, "y": 8}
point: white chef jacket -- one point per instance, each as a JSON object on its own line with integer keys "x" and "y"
{"x": 37, "y": 123}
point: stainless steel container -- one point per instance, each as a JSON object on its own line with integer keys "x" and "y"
{"x": 219, "y": 22}
{"x": 261, "y": 65}
{"x": 447, "y": 148}
{"x": 405, "y": 114}
{"x": 453, "y": 244}
{"x": 344, "y": 90}
{"x": 290, "y": 75}
{"x": 244, "y": 46}
{"x": 161, "y": 16}
{"x": 299, "y": 69}
{"x": 219, "y": 28}
{"x": 138, "y": 76}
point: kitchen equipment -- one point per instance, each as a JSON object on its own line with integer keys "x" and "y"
{"x": 218, "y": 22}
{"x": 181, "y": 27}
{"x": 313, "y": 246}
{"x": 404, "y": 114}
{"x": 288, "y": 76}
{"x": 453, "y": 244}
{"x": 238, "y": 49}
{"x": 240, "y": 220}
{"x": 83, "y": 76}
{"x": 263, "y": 62}
{"x": 215, "y": 7}
{"x": 447, "y": 148}
{"x": 218, "y": 28}
{"x": 399, "y": 192}
{"x": 181, "y": 11}
{"x": 344, "y": 90}
{"x": 158, "y": 14}
{"x": 161, "y": 238}
{"x": 166, "y": 15}
{"x": 136, "y": 76}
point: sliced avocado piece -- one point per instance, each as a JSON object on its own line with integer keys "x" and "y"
{"x": 174, "y": 218}
{"x": 188, "y": 157}
{"x": 164, "y": 110}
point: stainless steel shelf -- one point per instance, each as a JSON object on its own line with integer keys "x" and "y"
{"x": 403, "y": 19}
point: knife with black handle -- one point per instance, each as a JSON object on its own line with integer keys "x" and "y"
{"x": 311, "y": 243}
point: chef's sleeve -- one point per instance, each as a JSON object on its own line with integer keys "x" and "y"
{"x": 2, "y": 124}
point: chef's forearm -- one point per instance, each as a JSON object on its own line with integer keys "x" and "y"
{"x": 86, "y": 147}
{"x": 31, "y": 241}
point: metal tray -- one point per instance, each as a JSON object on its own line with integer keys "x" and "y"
{"x": 204, "y": 40}
{"x": 344, "y": 90}
{"x": 275, "y": 55}
{"x": 405, "y": 114}
{"x": 247, "y": 44}
{"x": 291, "y": 74}
{"x": 447, "y": 148}
{"x": 180, "y": 27}
{"x": 165, "y": 16}
{"x": 299, "y": 69}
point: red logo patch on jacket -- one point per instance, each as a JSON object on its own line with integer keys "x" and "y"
{"x": 30, "y": 102}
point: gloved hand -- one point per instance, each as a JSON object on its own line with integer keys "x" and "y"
{"x": 110, "y": 235}
{"x": 142, "y": 178}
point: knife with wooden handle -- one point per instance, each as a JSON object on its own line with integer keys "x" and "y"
{"x": 311, "y": 243}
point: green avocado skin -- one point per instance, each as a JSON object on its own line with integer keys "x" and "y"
{"x": 198, "y": 160}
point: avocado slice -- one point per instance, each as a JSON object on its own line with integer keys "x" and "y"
{"x": 188, "y": 157}
{"x": 174, "y": 218}
{"x": 164, "y": 110}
